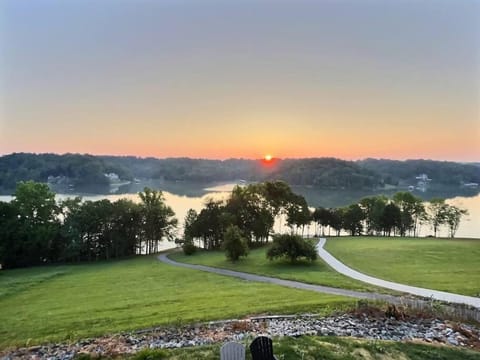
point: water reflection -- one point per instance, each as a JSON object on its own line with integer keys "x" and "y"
{"x": 470, "y": 225}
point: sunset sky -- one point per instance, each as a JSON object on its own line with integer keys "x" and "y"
{"x": 220, "y": 79}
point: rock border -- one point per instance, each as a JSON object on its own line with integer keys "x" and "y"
{"x": 358, "y": 325}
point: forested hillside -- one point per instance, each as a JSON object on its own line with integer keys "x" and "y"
{"x": 442, "y": 172}
{"x": 328, "y": 173}
{"x": 72, "y": 169}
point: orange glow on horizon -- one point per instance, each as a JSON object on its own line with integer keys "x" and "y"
{"x": 269, "y": 162}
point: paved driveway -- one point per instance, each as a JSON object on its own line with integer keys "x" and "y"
{"x": 428, "y": 293}
{"x": 288, "y": 283}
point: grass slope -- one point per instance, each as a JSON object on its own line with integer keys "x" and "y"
{"x": 442, "y": 264}
{"x": 71, "y": 302}
{"x": 327, "y": 348}
{"x": 256, "y": 262}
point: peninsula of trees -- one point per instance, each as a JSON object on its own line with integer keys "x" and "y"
{"x": 77, "y": 170}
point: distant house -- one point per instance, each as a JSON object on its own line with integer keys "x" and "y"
{"x": 423, "y": 177}
{"x": 422, "y": 182}
{"x": 112, "y": 177}
{"x": 57, "y": 180}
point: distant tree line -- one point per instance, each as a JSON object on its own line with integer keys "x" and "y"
{"x": 35, "y": 229}
{"x": 442, "y": 172}
{"x": 75, "y": 169}
{"x": 400, "y": 216}
{"x": 327, "y": 173}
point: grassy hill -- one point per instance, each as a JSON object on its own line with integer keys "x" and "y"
{"x": 441, "y": 264}
{"x": 317, "y": 273}
{"x": 75, "y": 301}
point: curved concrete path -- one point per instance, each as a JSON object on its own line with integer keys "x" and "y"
{"x": 288, "y": 283}
{"x": 428, "y": 293}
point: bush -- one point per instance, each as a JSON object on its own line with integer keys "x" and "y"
{"x": 291, "y": 247}
{"x": 234, "y": 244}
{"x": 189, "y": 248}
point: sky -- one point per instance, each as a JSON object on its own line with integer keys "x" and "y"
{"x": 351, "y": 79}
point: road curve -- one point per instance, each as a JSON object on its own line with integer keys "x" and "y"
{"x": 288, "y": 283}
{"x": 428, "y": 293}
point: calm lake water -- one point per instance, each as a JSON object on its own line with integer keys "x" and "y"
{"x": 182, "y": 197}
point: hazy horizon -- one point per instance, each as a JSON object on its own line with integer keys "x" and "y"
{"x": 238, "y": 158}
{"x": 295, "y": 79}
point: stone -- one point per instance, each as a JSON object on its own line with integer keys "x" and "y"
{"x": 239, "y": 330}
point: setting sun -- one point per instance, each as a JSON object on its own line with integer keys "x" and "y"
{"x": 268, "y": 157}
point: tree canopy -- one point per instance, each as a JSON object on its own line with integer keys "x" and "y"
{"x": 291, "y": 247}
{"x": 36, "y": 230}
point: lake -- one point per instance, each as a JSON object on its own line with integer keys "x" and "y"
{"x": 184, "y": 196}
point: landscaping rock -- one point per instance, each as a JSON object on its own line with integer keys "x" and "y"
{"x": 359, "y": 326}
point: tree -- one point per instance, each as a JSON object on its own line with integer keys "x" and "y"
{"x": 437, "y": 213}
{"x": 291, "y": 247}
{"x": 158, "y": 219}
{"x": 189, "y": 232}
{"x": 453, "y": 216}
{"x": 390, "y": 219}
{"x": 90, "y": 231}
{"x": 298, "y": 213}
{"x": 373, "y": 208}
{"x": 234, "y": 244}
{"x": 336, "y": 219}
{"x": 411, "y": 211}
{"x": 100, "y": 230}
{"x": 11, "y": 236}
{"x": 38, "y": 223}
{"x": 125, "y": 228}
{"x": 70, "y": 230}
{"x": 322, "y": 217}
{"x": 189, "y": 225}
{"x": 278, "y": 195}
{"x": 248, "y": 209}
{"x": 420, "y": 215}
{"x": 209, "y": 224}
{"x": 352, "y": 219}
{"x": 35, "y": 203}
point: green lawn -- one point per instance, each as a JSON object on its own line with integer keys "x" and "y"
{"x": 443, "y": 264}
{"x": 71, "y": 302}
{"x": 326, "y": 348}
{"x": 256, "y": 262}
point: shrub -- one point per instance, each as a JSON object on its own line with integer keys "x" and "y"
{"x": 188, "y": 247}
{"x": 291, "y": 247}
{"x": 234, "y": 244}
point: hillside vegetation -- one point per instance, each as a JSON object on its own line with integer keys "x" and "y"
{"x": 327, "y": 173}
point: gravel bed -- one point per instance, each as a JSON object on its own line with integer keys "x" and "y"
{"x": 354, "y": 325}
